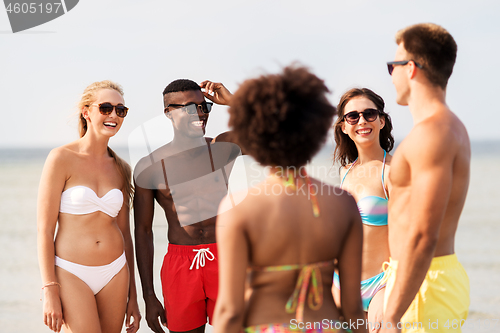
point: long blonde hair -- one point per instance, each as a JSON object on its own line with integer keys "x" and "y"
{"x": 87, "y": 98}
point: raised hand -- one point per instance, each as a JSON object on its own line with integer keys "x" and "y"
{"x": 216, "y": 92}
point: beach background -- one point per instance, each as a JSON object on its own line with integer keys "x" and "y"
{"x": 477, "y": 241}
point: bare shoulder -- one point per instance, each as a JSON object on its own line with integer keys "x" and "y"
{"x": 58, "y": 166}
{"x": 339, "y": 208}
{"x": 439, "y": 137}
{"x": 223, "y": 137}
{"x": 444, "y": 124}
{"x": 161, "y": 153}
{"x": 337, "y": 196}
{"x": 233, "y": 210}
{"x": 225, "y": 140}
{"x": 142, "y": 165}
{"x": 344, "y": 197}
{"x": 63, "y": 156}
{"x": 153, "y": 158}
{"x": 343, "y": 169}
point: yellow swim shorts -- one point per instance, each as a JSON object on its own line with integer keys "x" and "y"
{"x": 442, "y": 303}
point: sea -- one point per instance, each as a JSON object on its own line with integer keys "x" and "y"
{"x": 477, "y": 239}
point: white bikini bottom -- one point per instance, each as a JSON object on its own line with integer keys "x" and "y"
{"x": 96, "y": 277}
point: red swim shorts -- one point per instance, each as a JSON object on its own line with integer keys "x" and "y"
{"x": 190, "y": 281}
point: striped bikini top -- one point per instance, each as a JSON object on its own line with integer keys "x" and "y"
{"x": 80, "y": 200}
{"x": 373, "y": 209}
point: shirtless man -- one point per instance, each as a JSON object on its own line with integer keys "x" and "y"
{"x": 427, "y": 287}
{"x": 188, "y": 177}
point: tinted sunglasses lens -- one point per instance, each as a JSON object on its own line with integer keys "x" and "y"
{"x": 105, "y": 108}
{"x": 121, "y": 111}
{"x": 390, "y": 68}
{"x": 370, "y": 115}
{"x": 191, "y": 109}
{"x": 352, "y": 118}
{"x": 206, "y": 107}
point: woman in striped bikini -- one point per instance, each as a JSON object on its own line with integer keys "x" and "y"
{"x": 363, "y": 137}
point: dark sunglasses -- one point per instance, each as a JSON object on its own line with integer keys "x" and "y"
{"x": 192, "y": 108}
{"x": 369, "y": 115}
{"x": 106, "y": 109}
{"x": 391, "y": 64}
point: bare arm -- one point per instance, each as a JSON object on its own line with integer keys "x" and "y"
{"x": 123, "y": 221}
{"x": 431, "y": 161}
{"x": 216, "y": 92}
{"x": 232, "y": 246}
{"x": 143, "y": 220}
{"x": 49, "y": 195}
{"x": 349, "y": 266}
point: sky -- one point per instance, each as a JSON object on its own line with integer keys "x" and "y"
{"x": 144, "y": 45}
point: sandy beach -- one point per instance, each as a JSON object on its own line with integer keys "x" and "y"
{"x": 477, "y": 244}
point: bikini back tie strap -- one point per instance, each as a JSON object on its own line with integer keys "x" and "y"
{"x": 297, "y": 300}
{"x": 308, "y": 272}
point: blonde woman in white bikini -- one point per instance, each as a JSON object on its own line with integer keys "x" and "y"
{"x": 87, "y": 268}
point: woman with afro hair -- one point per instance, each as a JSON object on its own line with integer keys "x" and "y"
{"x": 290, "y": 231}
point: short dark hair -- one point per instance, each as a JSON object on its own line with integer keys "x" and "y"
{"x": 181, "y": 85}
{"x": 345, "y": 149}
{"x": 281, "y": 119}
{"x": 432, "y": 47}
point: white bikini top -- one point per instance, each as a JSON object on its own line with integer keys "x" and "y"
{"x": 79, "y": 200}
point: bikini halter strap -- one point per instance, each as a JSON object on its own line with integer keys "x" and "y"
{"x": 343, "y": 178}
{"x": 290, "y": 182}
{"x": 383, "y": 172}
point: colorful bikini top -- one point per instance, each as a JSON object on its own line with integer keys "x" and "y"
{"x": 297, "y": 300}
{"x": 373, "y": 209}
{"x": 80, "y": 200}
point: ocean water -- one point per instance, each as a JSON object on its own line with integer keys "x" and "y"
{"x": 477, "y": 241}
